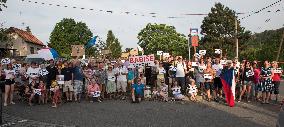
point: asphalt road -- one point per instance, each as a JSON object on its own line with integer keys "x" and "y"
{"x": 116, "y": 113}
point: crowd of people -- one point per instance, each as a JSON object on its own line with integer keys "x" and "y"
{"x": 171, "y": 79}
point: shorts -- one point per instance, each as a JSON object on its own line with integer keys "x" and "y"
{"x": 248, "y": 83}
{"x": 218, "y": 83}
{"x": 209, "y": 86}
{"x": 9, "y": 82}
{"x": 276, "y": 86}
{"x": 68, "y": 85}
{"x": 121, "y": 86}
{"x": 78, "y": 86}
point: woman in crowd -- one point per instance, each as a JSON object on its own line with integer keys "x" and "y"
{"x": 247, "y": 79}
{"x": 199, "y": 75}
{"x": 256, "y": 80}
{"x": 266, "y": 82}
{"x": 111, "y": 87}
{"x": 276, "y": 79}
{"x": 137, "y": 91}
{"x": 94, "y": 91}
{"x": 30, "y": 90}
{"x": 9, "y": 85}
{"x": 209, "y": 72}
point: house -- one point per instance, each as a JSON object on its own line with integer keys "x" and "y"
{"x": 22, "y": 43}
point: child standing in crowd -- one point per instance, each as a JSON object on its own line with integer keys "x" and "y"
{"x": 56, "y": 96}
{"x": 43, "y": 96}
{"x": 9, "y": 85}
{"x": 137, "y": 91}
{"x": 94, "y": 91}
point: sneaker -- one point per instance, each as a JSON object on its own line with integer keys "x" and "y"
{"x": 13, "y": 103}
{"x": 5, "y": 104}
{"x": 99, "y": 101}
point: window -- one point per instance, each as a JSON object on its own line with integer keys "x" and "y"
{"x": 32, "y": 50}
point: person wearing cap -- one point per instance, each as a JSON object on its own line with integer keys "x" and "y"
{"x": 137, "y": 91}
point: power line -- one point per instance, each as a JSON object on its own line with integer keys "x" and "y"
{"x": 258, "y": 11}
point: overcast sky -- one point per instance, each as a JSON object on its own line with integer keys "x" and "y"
{"x": 42, "y": 18}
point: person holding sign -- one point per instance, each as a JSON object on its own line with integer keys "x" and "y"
{"x": 247, "y": 79}
{"x": 208, "y": 76}
{"x": 111, "y": 87}
{"x": 9, "y": 85}
{"x": 161, "y": 75}
{"x": 94, "y": 91}
{"x": 68, "y": 89}
{"x": 276, "y": 79}
{"x": 266, "y": 82}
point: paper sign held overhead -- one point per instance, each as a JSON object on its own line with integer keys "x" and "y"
{"x": 202, "y": 52}
{"x": 218, "y": 51}
{"x": 78, "y": 50}
{"x": 140, "y": 61}
{"x": 159, "y": 53}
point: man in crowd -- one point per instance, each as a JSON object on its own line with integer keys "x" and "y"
{"x": 180, "y": 74}
{"x": 121, "y": 72}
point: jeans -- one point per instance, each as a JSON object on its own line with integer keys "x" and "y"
{"x": 181, "y": 83}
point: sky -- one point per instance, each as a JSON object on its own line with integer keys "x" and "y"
{"x": 41, "y": 18}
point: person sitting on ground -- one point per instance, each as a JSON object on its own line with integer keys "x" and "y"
{"x": 30, "y": 91}
{"x": 177, "y": 92}
{"x": 137, "y": 91}
{"x": 94, "y": 91}
{"x": 192, "y": 90}
{"x": 164, "y": 91}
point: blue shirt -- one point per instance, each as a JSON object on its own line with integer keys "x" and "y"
{"x": 78, "y": 74}
{"x": 138, "y": 89}
{"x": 130, "y": 75}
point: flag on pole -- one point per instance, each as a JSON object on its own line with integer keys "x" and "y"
{"x": 229, "y": 85}
{"x": 92, "y": 42}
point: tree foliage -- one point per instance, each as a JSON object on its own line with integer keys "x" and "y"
{"x": 2, "y": 4}
{"x": 263, "y": 46}
{"x": 69, "y": 32}
{"x": 219, "y": 30}
{"x": 113, "y": 45}
{"x": 160, "y": 37}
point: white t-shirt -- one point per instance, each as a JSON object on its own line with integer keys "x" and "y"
{"x": 32, "y": 73}
{"x": 180, "y": 70}
{"x": 218, "y": 68}
{"x": 9, "y": 73}
{"x": 119, "y": 71}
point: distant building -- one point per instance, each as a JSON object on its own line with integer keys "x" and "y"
{"x": 22, "y": 43}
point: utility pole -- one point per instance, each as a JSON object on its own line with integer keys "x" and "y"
{"x": 236, "y": 38}
{"x": 189, "y": 40}
{"x": 280, "y": 47}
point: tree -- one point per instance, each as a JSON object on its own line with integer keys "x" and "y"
{"x": 69, "y": 32}
{"x": 5, "y": 42}
{"x": 219, "y": 30}
{"x": 160, "y": 37}
{"x": 28, "y": 29}
{"x": 3, "y": 4}
{"x": 113, "y": 45}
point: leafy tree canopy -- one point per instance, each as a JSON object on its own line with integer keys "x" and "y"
{"x": 113, "y": 45}
{"x": 69, "y": 32}
{"x": 161, "y": 37}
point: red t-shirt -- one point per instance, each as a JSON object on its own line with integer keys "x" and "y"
{"x": 276, "y": 77}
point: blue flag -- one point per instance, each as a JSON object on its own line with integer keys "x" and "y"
{"x": 92, "y": 42}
